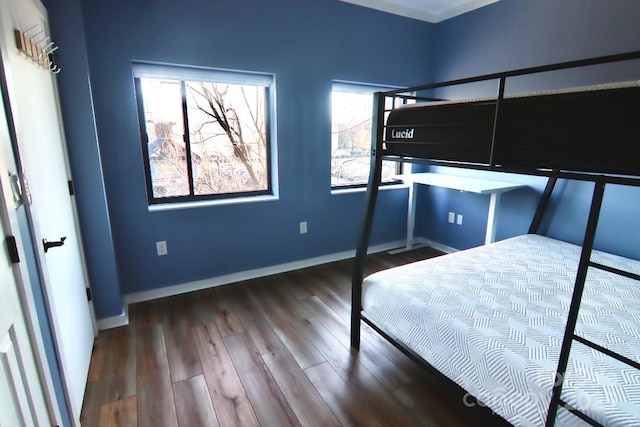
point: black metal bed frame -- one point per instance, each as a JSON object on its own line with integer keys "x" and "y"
{"x": 378, "y": 153}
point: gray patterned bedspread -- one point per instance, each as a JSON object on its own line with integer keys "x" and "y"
{"x": 492, "y": 319}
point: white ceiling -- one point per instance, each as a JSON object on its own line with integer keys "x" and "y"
{"x": 424, "y": 10}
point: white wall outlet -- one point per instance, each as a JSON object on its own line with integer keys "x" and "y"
{"x": 459, "y": 219}
{"x": 452, "y": 217}
{"x": 161, "y": 248}
{"x": 303, "y": 227}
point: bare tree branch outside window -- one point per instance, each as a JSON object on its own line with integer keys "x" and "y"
{"x": 227, "y": 137}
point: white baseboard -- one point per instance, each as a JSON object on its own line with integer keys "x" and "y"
{"x": 421, "y": 242}
{"x": 439, "y": 246}
{"x": 123, "y": 319}
{"x": 115, "y": 321}
{"x": 248, "y": 275}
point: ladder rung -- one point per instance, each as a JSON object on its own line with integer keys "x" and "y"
{"x": 579, "y": 414}
{"x": 614, "y": 270}
{"x": 606, "y": 351}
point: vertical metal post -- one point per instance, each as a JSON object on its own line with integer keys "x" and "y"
{"x": 581, "y": 275}
{"x": 375, "y": 173}
{"x": 187, "y": 139}
{"x": 496, "y": 119}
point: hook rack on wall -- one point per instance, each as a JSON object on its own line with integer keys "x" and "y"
{"x": 40, "y": 51}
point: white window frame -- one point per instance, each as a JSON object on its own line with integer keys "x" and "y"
{"x": 365, "y": 88}
{"x": 218, "y": 75}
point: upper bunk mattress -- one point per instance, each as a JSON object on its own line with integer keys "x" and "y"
{"x": 492, "y": 319}
{"x": 593, "y": 129}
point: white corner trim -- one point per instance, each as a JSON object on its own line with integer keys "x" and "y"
{"x": 462, "y": 9}
{"x": 427, "y": 13}
{"x": 396, "y": 9}
{"x": 249, "y": 274}
{"x": 115, "y": 321}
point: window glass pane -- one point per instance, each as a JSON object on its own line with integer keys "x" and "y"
{"x": 227, "y": 130}
{"x": 388, "y": 102}
{"x": 165, "y": 142}
{"x": 351, "y": 139}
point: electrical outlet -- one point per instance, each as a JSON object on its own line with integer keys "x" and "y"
{"x": 452, "y": 217}
{"x": 161, "y": 248}
{"x": 459, "y": 219}
{"x": 303, "y": 227}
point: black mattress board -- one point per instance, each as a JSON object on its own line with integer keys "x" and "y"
{"x": 587, "y": 131}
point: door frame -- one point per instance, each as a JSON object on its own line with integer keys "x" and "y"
{"x": 8, "y": 215}
{"x": 24, "y": 279}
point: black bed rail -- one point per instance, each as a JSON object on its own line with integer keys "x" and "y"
{"x": 599, "y": 177}
{"x": 570, "y": 335}
{"x": 572, "y": 319}
{"x": 542, "y": 205}
{"x": 628, "y": 56}
{"x": 496, "y": 144}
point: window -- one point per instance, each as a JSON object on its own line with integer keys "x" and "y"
{"x": 351, "y": 112}
{"x": 205, "y": 133}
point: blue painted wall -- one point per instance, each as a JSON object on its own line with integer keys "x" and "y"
{"x": 67, "y": 28}
{"x": 514, "y": 34}
{"x": 306, "y": 44}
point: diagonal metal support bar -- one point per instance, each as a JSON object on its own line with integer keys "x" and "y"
{"x": 614, "y": 270}
{"x": 542, "y": 204}
{"x": 579, "y": 414}
{"x": 612, "y": 354}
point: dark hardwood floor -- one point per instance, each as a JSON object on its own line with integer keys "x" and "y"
{"x": 267, "y": 352}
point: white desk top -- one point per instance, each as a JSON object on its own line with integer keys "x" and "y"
{"x": 474, "y": 185}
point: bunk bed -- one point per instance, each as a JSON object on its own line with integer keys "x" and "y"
{"x": 541, "y": 331}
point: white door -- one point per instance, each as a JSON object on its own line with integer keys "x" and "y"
{"x": 22, "y": 398}
{"x": 41, "y": 152}
{"x": 26, "y": 391}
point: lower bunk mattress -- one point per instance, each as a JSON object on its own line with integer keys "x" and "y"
{"x": 492, "y": 320}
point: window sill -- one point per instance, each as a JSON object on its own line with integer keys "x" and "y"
{"x": 208, "y": 203}
{"x": 337, "y": 191}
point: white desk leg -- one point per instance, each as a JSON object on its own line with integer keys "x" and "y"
{"x": 491, "y": 219}
{"x": 411, "y": 215}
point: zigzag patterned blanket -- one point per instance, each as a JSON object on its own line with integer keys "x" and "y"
{"x": 492, "y": 319}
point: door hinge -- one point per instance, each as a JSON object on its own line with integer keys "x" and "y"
{"x": 72, "y": 190}
{"x": 16, "y": 190}
{"x": 12, "y": 247}
{"x": 89, "y": 296}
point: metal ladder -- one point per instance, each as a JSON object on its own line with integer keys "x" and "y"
{"x": 570, "y": 335}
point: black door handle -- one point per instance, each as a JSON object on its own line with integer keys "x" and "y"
{"x": 48, "y": 245}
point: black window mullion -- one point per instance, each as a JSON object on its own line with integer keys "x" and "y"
{"x": 186, "y": 138}
{"x": 267, "y": 135}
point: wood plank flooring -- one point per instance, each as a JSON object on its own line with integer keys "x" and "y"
{"x": 267, "y": 352}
